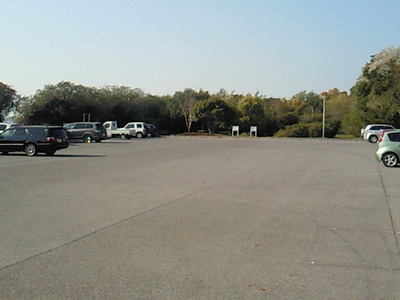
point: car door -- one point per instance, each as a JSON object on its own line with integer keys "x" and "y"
{"x": 5, "y": 142}
{"x": 77, "y": 131}
{"x": 13, "y": 139}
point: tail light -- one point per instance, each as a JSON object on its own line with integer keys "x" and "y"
{"x": 53, "y": 139}
{"x": 381, "y": 136}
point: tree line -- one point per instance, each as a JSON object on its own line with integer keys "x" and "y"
{"x": 375, "y": 98}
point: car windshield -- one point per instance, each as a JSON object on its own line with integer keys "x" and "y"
{"x": 8, "y": 133}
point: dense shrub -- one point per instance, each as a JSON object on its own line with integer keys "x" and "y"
{"x": 309, "y": 130}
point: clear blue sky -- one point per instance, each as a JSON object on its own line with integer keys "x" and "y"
{"x": 277, "y": 48}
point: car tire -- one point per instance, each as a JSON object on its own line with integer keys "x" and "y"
{"x": 30, "y": 149}
{"x": 390, "y": 159}
{"x": 87, "y": 138}
{"x": 373, "y": 139}
{"x": 139, "y": 135}
{"x": 123, "y": 137}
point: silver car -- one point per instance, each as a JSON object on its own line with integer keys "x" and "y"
{"x": 372, "y": 132}
{"x": 389, "y": 148}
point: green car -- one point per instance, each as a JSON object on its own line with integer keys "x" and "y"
{"x": 389, "y": 148}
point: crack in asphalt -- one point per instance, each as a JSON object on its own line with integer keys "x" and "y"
{"x": 113, "y": 224}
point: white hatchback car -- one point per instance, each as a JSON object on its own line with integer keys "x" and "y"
{"x": 372, "y": 132}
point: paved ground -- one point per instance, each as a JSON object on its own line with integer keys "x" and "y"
{"x": 200, "y": 218}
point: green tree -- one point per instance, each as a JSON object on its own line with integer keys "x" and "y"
{"x": 251, "y": 110}
{"x": 184, "y": 103}
{"x": 214, "y": 113}
{"x": 8, "y": 99}
{"x": 311, "y": 101}
{"x": 120, "y": 103}
{"x": 377, "y": 90}
{"x": 62, "y": 103}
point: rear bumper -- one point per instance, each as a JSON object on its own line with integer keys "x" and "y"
{"x": 52, "y": 146}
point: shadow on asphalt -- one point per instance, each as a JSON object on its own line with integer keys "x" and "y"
{"x": 56, "y": 155}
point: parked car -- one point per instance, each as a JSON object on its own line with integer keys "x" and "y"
{"x": 138, "y": 127}
{"x": 151, "y": 130}
{"x": 33, "y": 140}
{"x": 4, "y": 126}
{"x": 389, "y": 148}
{"x": 87, "y": 131}
{"x": 371, "y": 132}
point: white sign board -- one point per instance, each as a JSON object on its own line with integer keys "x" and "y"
{"x": 253, "y": 131}
{"x": 235, "y": 130}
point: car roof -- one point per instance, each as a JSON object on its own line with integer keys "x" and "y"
{"x": 83, "y": 123}
{"x": 378, "y": 125}
{"x": 392, "y": 131}
{"x": 41, "y": 126}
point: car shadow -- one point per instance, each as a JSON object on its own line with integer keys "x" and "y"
{"x": 55, "y": 155}
{"x": 75, "y": 143}
{"x": 77, "y": 155}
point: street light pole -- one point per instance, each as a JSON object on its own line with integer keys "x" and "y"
{"x": 323, "y": 116}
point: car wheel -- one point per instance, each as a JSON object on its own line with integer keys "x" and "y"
{"x": 373, "y": 139}
{"x": 139, "y": 135}
{"x": 30, "y": 150}
{"x": 50, "y": 153}
{"x": 149, "y": 135}
{"x": 390, "y": 159}
{"x": 123, "y": 137}
{"x": 87, "y": 139}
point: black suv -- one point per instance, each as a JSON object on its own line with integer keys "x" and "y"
{"x": 33, "y": 139}
{"x": 88, "y": 131}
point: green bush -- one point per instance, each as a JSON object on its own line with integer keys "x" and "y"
{"x": 297, "y": 130}
{"x": 309, "y": 130}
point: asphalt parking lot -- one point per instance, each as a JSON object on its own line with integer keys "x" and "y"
{"x": 200, "y": 218}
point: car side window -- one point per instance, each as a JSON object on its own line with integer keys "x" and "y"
{"x": 37, "y": 132}
{"x": 20, "y": 132}
{"x": 139, "y": 125}
{"x": 89, "y": 126}
{"x": 80, "y": 126}
{"x": 394, "y": 137}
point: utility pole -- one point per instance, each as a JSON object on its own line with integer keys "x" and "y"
{"x": 323, "y": 115}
